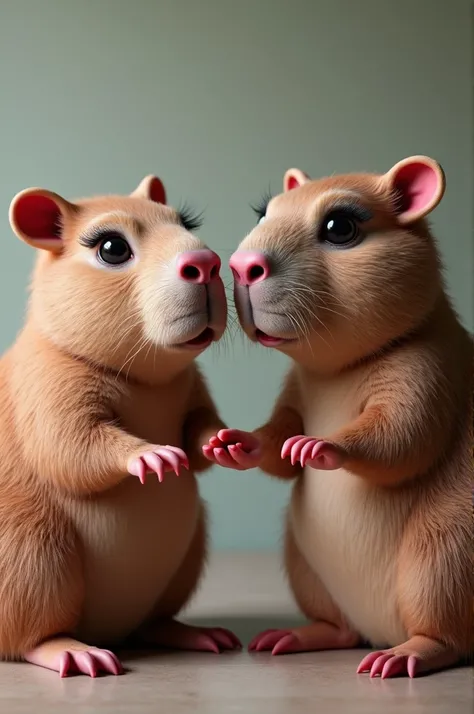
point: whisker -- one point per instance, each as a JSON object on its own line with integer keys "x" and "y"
{"x": 138, "y": 350}
{"x": 140, "y": 343}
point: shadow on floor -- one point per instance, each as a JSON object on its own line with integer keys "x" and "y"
{"x": 247, "y": 627}
{"x": 244, "y": 627}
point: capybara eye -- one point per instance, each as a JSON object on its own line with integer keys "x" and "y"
{"x": 114, "y": 249}
{"x": 340, "y": 229}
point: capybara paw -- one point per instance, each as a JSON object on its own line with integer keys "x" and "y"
{"x": 158, "y": 460}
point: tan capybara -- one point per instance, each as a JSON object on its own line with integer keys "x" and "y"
{"x": 374, "y": 422}
{"x": 100, "y": 396}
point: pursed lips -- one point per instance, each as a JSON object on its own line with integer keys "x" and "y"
{"x": 247, "y": 314}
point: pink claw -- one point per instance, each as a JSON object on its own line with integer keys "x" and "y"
{"x": 296, "y": 449}
{"x": 236, "y": 643}
{"x": 299, "y": 449}
{"x": 182, "y": 457}
{"x": 90, "y": 662}
{"x": 137, "y": 468}
{"x": 242, "y": 457}
{"x": 326, "y": 456}
{"x": 316, "y": 453}
{"x": 412, "y": 666}
{"x": 288, "y": 445}
{"x": 205, "y": 643}
{"x": 287, "y": 644}
{"x": 87, "y": 664}
{"x": 64, "y": 664}
{"x": 254, "y": 642}
{"x": 170, "y": 458}
{"x": 158, "y": 460}
{"x": 223, "y": 458}
{"x": 271, "y": 639}
{"x": 379, "y": 664}
{"x": 367, "y": 662}
{"x": 216, "y": 639}
{"x": 235, "y": 436}
{"x": 389, "y": 664}
{"x": 223, "y": 640}
{"x": 268, "y": 641}
{"x": 233, "y": 449}
{"x": 154, "y": 463}
{"x": 109, "y": 661}
{"x": 306, "y": 452}
{"x": 395, "y": 665}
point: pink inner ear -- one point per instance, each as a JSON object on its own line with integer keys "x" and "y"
{"x": 417, "y": 184}
{"x": 292, "y": 183}
{"x": 38, "y": 217}
{"x": 157, "y": 191}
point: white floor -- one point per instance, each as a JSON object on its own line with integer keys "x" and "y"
{"x": 247, "y": 594}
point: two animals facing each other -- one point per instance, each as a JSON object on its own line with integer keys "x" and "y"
{"x": 101, "y": 399}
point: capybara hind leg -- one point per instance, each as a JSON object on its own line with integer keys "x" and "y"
{"x": 435, "y": 583}
{"x": 42, "y": 590}
{"x": 162, "y": 630}
{"x": 328, "y": 629}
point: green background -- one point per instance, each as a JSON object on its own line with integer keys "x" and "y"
{"x": 219, "y": 97}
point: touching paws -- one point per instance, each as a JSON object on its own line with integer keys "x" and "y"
{"x": 158, "y": 460}
{"x": 316, "y": 453}
{"x": 233, "y": 449}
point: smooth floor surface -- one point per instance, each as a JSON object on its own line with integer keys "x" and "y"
{"x": 247, "y": 594}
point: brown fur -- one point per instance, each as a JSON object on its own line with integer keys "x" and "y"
{"x": 93, "y": 379}
{"x": 383, "y": 372}
{"x": 285, "y": 422}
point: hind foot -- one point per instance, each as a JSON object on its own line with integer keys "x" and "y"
{"x": 417, "y": 656}
{"x": 68, "y": 656}
{"x": 317, "y": 636}
{"x": 176, "y": 635}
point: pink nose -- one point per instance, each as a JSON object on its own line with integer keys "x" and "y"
{"x": 199, "y": 266}
{"x": 249, "y": 267}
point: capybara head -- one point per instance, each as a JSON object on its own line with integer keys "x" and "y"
{"x": 339, "y": 267}
{"x": 118, "y": 277}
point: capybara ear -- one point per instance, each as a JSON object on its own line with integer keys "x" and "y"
{"x": 37, "y": 216}
{"x": 294, "y": 178}
{"x": 418, "y": 183}
{"x": 151, "y": 188}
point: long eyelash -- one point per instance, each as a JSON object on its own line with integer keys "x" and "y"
{"x": 260, "y": 208}
{"x": 92, "y": 239}
{"x": 190, "y": 218}
{"x": 354, "y": 209}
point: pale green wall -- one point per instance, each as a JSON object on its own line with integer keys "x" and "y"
{"x": 219, "y": 97}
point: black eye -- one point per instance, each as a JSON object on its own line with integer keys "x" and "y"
{"x": 114, "y": 249}
{"x": 340, "y": 229}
